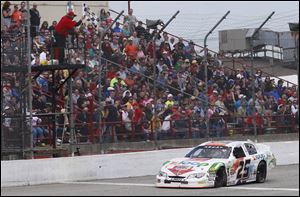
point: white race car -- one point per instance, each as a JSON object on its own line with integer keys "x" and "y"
{"x": 216, "y": 164}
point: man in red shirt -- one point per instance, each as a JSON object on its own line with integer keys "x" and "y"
{"x": 16, "y": 16}
{"x": 62, "y": 30}
{"x": 137, "y": 120}
{"x": 131, "y": 50}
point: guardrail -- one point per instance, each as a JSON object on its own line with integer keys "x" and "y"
{"x": 189, "y": 128}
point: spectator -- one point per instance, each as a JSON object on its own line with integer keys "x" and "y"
{"x": 109, "y": 20}
{"x": 111, "y": 116}
{"x": 220, "y": 106}
{"x": 117, "y": 28}
{"x": 137, "y": 121}
{"x": 82, "y": 120}
{"x": 44, "y": 26}
{"x": 131, "y": 50}
{"x": 16, "y": 16}
{"x": 52, "y": 27}
{"x": 38, "y": 132}
{"x": 125, "y": 31}
{"x": 169, "y": 103}
{"x": 106, "y": 48}
{"x": 23, "y": 8}
{"x": 35, "y": 20}
{"x": 190, "y": 50}
{"x": 131, "y": 21}
{"x": 103, "y": 15}
{"x": 141, "y": 31}
{"x": 6, "y": 13}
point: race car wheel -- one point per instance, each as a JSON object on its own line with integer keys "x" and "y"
{"x": 261, "y": 172}
{"x": 221, "y": 178}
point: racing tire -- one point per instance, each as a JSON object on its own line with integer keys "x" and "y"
{"x": 261, "y": 173}
{"x": 221, "y": 178}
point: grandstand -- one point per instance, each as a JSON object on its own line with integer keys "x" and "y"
{"x": 69, "y": 111}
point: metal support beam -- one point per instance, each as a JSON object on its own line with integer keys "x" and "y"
{"x": 100, "y": 78}
{"x": 253, "y": 75}
{"x": 29, "y": 81}
{"x": 205, "y": 71}
{"x": 154, "y": 69}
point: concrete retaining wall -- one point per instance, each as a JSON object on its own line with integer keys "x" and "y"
{"x": 42, "y": 171}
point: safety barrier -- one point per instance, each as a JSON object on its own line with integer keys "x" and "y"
{"x": 46, "y": 171}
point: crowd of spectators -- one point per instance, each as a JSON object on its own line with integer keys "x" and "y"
{"x": 129, "y": 102}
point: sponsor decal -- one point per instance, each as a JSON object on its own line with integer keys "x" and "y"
{"x": 214, "y": 167}
{"x": 215, "y": 144}
{"x": 193, "y": 163}
{"x": 179, "y": 170}
{"x": 201, "y": 182}
{"x": 259, "y": 157}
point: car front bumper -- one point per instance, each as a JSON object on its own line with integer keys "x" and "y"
{"x": 184, "y": 183}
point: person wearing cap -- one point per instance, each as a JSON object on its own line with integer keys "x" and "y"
{"x": 131, "y": 49}
{"x": 194, "y": 66}
{"x": 170, "y": 102}
{"x": 62, "y": 30}
{"x": 189, "y": 50}
{"x": 167, "y": 59}
{"x": 106, "y": 48}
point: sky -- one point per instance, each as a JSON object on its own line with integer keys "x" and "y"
{"x": 196, "y": 18}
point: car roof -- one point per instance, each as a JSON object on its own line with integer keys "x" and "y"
{"x": 228, "y": 143}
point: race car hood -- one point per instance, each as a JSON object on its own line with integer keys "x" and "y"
{"x": 186, "y": 166}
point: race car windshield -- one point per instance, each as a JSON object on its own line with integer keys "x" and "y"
{"x": 210, "y": 152}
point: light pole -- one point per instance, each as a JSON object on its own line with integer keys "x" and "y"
{"x": 100, "y": 76}
{"x": 154, "y": 71}
{"x": 253, "y": 76}
{"x": 205, "y": 71}
{"x": 128, "y": 4}
{"x": 29, "y": 80}
{"x": 294, "y": 28}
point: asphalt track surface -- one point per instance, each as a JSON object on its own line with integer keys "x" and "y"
{"x": 281, "y": 181}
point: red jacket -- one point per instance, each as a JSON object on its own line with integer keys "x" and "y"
{"x": 64, "y": 26}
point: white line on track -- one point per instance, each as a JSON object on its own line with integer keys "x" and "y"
{"x": 265, "y": 188}
{"x": 153, "y": 185}
{"x": 108, "y": 183}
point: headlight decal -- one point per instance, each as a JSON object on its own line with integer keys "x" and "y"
{"x": 197, "y": 175}
{"x": 162, "y": 174}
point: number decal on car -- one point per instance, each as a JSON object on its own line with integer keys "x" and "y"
{"x": 244, "y": 168}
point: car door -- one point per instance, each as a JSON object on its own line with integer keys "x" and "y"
{"x": 254, "y": 156}
{"x": 243, "y": 163}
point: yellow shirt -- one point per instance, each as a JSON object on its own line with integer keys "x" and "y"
{"x": 115, "y": 80}
{"x": 169, "y": 103}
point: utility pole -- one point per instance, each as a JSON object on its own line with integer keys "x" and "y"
{"x": 205, "y": 71}
{"x": 154, "y": 70}
{"x": 29, "y": 80}
{"x": 128, "y": 6}
{"x": 294, "y": 28}
{"x": 253, "y": 76}
{"x": 100, "y": 77}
